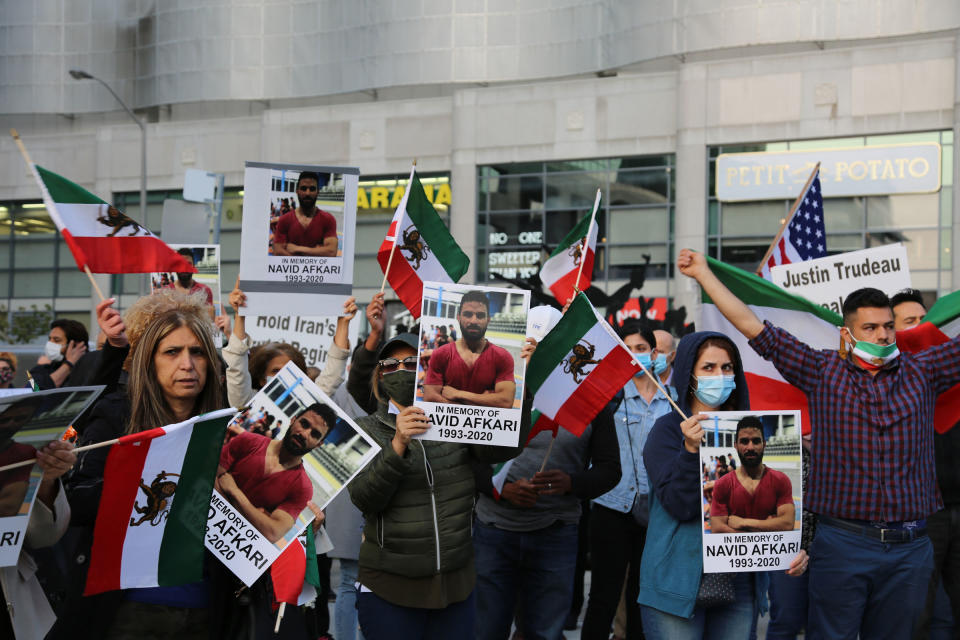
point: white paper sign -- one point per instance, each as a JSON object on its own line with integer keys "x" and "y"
{"x": 312, "y": 336}
{"x": 751, "y": 513}
{"x": 290, "y": 261}
{"x": 455, "y": 340}
{"x": 329, "y": 464}
{"x": 828, "y": 281}
{"x": 237, "y": 543}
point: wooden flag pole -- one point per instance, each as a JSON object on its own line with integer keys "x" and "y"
{"x": 586, "y": 240}
{"x": 96, "y": 287}
{"x": 23, "y": 463}
{"x": 280, "y": 611}
{"x": 33, "y": 170}
{"x": 393, "y": 249}
{"x": 783, "y": 227}
{"x": 663, "y": 391}
{"x": 546, "y": 456}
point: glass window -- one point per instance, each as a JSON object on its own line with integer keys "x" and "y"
{"x": 574, "y": 190}
{"x": 73, "y": 284}
{"x": 559, "y": 224}
{"x": 34, "y": 283}
{"x": 840, "y": 243}
{"x": 30, "y": 252}
{"x": 514, "y": 168}
{"x": 371, "y": 232}
{"x": 525, "y": 208}
{"x": 366, "y": 271}
{"x": 753, "y": 218}
{"x": 901, "y": 210}
{"x": 843, "y": 214}
{"x": 923, "y": 246}
{"x": 506, "y": 228}
{"x": 515, "y": 193}
{"x": 639, "y": 224}
{"x": 639, "y": 187}
{"x": 601, "y": 164}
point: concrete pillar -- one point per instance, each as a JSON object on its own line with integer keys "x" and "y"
{"x": 955, "y": 217}
{"x": 691, "y": 179}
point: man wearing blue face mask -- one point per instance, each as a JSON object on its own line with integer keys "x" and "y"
{"x": 666, "y": 351}
{"x": 873, "y": 481}
{"x": 618, "y": 519}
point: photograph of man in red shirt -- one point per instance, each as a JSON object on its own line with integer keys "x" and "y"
{"x": 306, "y": 230}
{"x": 754, "y": 497}
{"x": 471, "y": 369}
{"x": 265, "y": 479}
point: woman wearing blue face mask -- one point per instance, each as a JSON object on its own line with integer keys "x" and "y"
{"x": 675, "y": 597}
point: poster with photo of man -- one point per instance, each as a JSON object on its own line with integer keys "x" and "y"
{"x": 297, "y": 237}
{"x": 206, "y": 281}
{"x": 470, "y": 374}
{"x": 288, "y": 454}
{"x": 28, "y": 422}
{"x": 752, "y": 490}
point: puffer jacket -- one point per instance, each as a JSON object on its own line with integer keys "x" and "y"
{"x": 418, "y": 508}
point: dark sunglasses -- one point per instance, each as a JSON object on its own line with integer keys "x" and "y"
{"x": 479, "y": 315}
{"x": 746, "y": 441}
{"x": 389, "y": 365}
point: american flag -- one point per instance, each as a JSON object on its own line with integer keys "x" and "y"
{"x": 804, "y": 237}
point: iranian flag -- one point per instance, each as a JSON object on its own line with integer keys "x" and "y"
{"x": 808, "y": 322}
{"x": 153, "y": 511}
{"x": 578, "y": 367}
{"x": 941, "y": 323}
{"x": 101, "y": 237}
{"x": 560, "y": 272}
{"x": 294, "y": 574}
{"x": 419, "y": 247}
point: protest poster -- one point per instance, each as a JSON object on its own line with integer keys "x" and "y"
{"x": 297, "y": 237}
{"x": 28, "y": 421}
{"x": 343, "y": 450}
{"x": 752, "y": 490}
{"x": 470, "y": 374}
{"x": 206, "y": 259}
{"x": 828, "y": 281}
{"x": 312, "y": 336}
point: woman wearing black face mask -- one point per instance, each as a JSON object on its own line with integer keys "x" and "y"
{"x": 416, "y": 560}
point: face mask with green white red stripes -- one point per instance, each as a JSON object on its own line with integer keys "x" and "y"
{"x": 875, "y": 356}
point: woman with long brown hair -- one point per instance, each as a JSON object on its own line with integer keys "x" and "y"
{"x": 174, "y": 374}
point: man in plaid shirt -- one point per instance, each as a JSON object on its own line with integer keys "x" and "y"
{"x": 873, "y": 481}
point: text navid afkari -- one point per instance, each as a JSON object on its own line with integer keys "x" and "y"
{"x": 471, "y": 417}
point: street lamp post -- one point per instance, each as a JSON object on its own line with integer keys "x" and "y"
{"x": 78, "y": 74}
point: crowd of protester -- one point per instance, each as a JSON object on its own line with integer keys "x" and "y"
{"x": 429, "y": 547}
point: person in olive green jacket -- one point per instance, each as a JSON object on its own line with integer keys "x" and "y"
{"x": 416, "y": 559}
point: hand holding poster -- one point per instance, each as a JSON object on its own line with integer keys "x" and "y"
{"x": 469, "y": 372}
{"x": 751, "y": 466}
{"x": 28, "y": 422}
{"x": 290, "y": 446}
{"x": 298, "y": 237}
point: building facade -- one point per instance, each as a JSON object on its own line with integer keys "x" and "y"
{"x": 516, "y": 111}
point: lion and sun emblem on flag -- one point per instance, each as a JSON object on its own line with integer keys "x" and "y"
{"x": 159, "y": 496}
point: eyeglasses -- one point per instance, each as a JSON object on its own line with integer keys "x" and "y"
{"x": 479, "y": 315}
{"x": 389, "y": 365}
{"x": 754, "y": 441}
